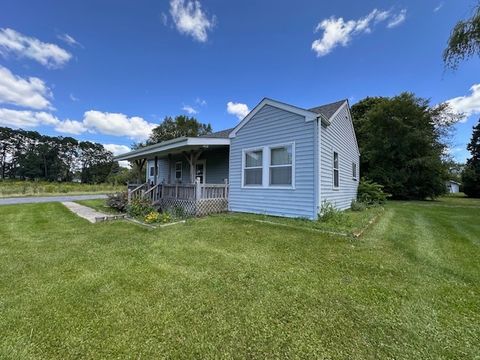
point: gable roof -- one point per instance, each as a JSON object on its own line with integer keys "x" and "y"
{"x": 309, "y": 115}
{"x": 328, "y": 110}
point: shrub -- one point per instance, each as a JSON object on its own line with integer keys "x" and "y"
{"x": 165, "y": 217}
{"x": 118, "y": 201}
{"x": 358, "y": 205}
{"x": 178, "y": 212}
{"x": 140, "y": 208}
{"x": 371, "y": 193}
{"x": 328, "y": 211}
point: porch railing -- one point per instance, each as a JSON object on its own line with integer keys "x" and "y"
{"x": 195, "y": 191}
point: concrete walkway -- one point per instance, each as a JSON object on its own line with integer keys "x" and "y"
{"x": 45, "y": 199}
{"x": 90, "y": 214}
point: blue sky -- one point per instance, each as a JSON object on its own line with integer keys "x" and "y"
{"x": 108, "y": 71}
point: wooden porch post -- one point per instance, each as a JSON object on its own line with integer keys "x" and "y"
{"x": 198, "y": 189}
{"x": 155, "y": 181}
{"x": 169, "y": 180}
{"x": 192, "y": 159}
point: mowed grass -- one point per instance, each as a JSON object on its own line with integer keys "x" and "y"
{"x": 17, "y": 188}
{"x": 228, "y": 286}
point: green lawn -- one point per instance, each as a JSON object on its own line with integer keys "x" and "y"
{"x": 229, "y": 286}
{"x": 17, "y": 188}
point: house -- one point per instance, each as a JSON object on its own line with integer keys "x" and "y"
{"x": 452, "y": 187}
{"x": 279, "y": 160}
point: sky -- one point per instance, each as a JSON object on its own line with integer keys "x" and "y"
{"x": 109, "y": 71}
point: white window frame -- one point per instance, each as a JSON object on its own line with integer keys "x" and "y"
{"x": 354, "y": 171}
{"x": 181, "y": 171}
{"x": 292, "y": 165}
{"x": 266, "y": 167}
{"x": 335, "y": 169}
{"x": 244, "y": 153}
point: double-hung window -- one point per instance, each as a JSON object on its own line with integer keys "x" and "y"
{"x": 152, "y": 171}
{"x": 253, "y": 171}
{"x": 178, "y": 171}
{"x": 354, "y": 170}
{"x": 281, "y": 166}
{"x": 336, "y": 173}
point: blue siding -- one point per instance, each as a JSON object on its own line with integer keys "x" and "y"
{"x": 271, "y": 126}
{"x": 339, "y": 137}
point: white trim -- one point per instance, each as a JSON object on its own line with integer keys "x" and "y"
{"x": 317, "y": 167}
{"x": 353, "y": 128}
{"x": 181, "y": 170}
{"x": 266, "y": 167}
{"x": 309, "y": 115}
{"x": 172, "y": 144}
{"x": 333, "y": 169}
{"x": 244, "y": 151}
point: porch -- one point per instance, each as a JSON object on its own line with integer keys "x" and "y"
{"x": 190, "y": 174}
{"x": 194, "y": 199}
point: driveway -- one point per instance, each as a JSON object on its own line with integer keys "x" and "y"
{"x": 44, "y": 199}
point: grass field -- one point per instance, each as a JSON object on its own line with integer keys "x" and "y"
{"x": 10, "y": 188}
{"x": 229, "y": 286}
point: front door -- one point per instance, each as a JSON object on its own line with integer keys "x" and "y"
{"x": 200, "y": 171}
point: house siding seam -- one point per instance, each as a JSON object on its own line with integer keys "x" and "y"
{"x": 273, "y": 126}
{"x": 339, "y": 137}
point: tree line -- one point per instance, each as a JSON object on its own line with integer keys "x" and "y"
{"x": 29, "y": 155}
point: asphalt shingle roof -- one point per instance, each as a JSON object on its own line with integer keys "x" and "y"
{"x": 328, "y": 110}
{"x": 219, "y": 134}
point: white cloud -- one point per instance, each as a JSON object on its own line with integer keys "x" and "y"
{"x": 117, "y": 124}
{"x": 189, "y": 109}
{"x": 73, "y": 98}
{"x": 238, "y": 109}
{"x": 26, "y": 118}
{"x": 438, "y": 7}
{"x": 200, "y": 102}
{"x": 190, "y": 19}
{"x": 338, "y": 32}
{"x": 117, "y": 149}
{"x": 71, "y": 127}
{"x": 467, "y": 105}
{"x": 397, "y": 19}
{"x": 30, "y": 93}
{"x": 69, "y": 40}
{"x": 93, "y": 121}
{"x": 49, "y": 55}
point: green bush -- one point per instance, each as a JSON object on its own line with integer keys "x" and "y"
{"x": 371, "y": 193}
{"x": 331, "y": 215}
{"x": 358, "y": 205}
{"x": 140, "y": 208}
{"x": 118, "y": 201}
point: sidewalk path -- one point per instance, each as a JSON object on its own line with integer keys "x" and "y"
{"x": 44, "y": 199}
{"x": 87, "y": 213}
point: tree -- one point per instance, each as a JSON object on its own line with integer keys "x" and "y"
{"x": 402, "y": 144}
{"x": 180, "y": 126}
{"x": 471, "y": 174}
{"x": 96, "y": 162}
{"x": 464, "y": 41}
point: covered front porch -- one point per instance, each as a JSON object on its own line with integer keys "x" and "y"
{"x": 186, "y": 173}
